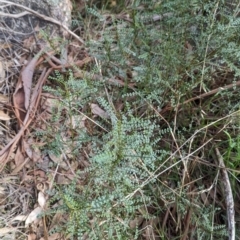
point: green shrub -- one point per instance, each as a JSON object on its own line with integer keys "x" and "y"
{"x": 145, "y": 163}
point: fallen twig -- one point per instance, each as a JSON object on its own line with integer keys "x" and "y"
{"x": 216, "y": 90}
{"x": 228, "y": 197}
{"x": 201, "y": 96}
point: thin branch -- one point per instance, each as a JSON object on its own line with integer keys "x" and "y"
{"x": 228, "y": 197}
{"x": 216, "y": 90}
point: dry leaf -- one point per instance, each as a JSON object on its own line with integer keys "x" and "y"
{"x": 33, "y": 154}
{"x": 19, "y": 158}
{"x": 26, "y": 77}
{"x": 133, "y": 224}
{"x": 41, "y": 200}
{"x": 4, "y": 116}
{"x": 96, "y": 110}
{"x": 58, "y": 160}
{"x": 18, "y": 102}
{"x": 20, "y": 166}
{"x": 41, "y": 175}
{"x": 60, "y": 179}
{"x": 22, "y": 94}
{"x": 33, "y": 216}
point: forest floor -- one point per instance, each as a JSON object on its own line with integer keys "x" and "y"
{"x": 134, "y": 135}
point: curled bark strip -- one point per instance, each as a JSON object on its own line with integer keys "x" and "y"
{"x": 228, "y": 197}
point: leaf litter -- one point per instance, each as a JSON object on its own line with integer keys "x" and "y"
{"x": 21, "y": 154}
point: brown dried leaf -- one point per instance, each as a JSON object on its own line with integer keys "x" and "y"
{"x": 136, "y": 222}
{"x": 19, "y": 101}
{"x": 19, "y": 167}
{"x": 41, "y": 175}
{"x": 22, "y": 94}
{"x": 26, "y": 77}
{"x": 19, "y": 158}
{"x": 60, "y": 179}
{"x": 33, "y": 154}
{"x": 96, "y": 110}
{"x": 58, "y": 160}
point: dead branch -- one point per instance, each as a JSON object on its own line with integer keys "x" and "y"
{"x": 201, "y": 96}
{"x": 228, "y": 197}
{"x": 216, "y": 90}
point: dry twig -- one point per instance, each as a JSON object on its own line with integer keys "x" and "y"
{"x": 216, "y": 90}
{"x": 228, "y": 197}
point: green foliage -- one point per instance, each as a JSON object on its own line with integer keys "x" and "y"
{"x": 170, "y": 52}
